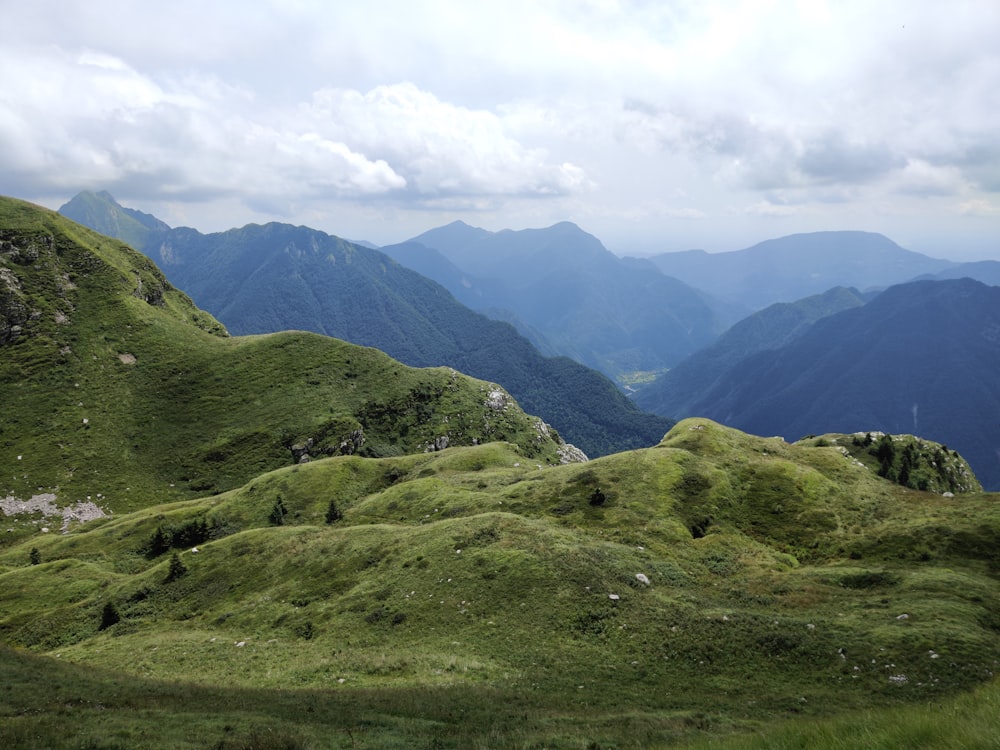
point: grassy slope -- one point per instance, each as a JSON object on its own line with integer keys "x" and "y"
{"x": 119, "y": 389}
{"x": 262, "y": 279}
{"x": 464, "y": 599}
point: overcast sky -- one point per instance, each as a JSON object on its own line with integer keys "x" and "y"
{"x": 659, "y": 125}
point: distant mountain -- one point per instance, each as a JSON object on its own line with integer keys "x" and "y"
{"x": 678, "y": 391}
{"x": 920, "y": 358}
{"x": 427, "y": 261}
{"x": 614, "y": 315}
{"x": 986, "y": 271}
{"x": 259, "y": 279}
{"x": 100, "y": 212}
{"x": 797, "y": 266}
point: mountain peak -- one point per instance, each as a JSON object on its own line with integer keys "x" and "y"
{"x": 101, "y": 212}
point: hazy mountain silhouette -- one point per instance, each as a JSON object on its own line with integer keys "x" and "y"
{"x": 799, "y": 265}
{"x": 615, "y": 315}
{"x": 680, "y": 389}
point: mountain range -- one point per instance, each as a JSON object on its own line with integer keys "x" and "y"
{"x": 261, "y": 279}
{"x": 289, "y": 541}
{"x": 681, "y": 390}
{"x": 269, "y": 278}
{"x": 571, "y": 295}
{"x": 800, "y": 265}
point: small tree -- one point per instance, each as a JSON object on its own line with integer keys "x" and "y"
{"x": 885, "y": 450}
{"x": 333, "y": 513}
{"x": 158, "y": 544}
{"x": 109, "y": 616}
{"x": 35, "y": 557}
{"x": 278, "y": 513}
{"x": 176, "y": 569}
{"x": 597, "y": 497}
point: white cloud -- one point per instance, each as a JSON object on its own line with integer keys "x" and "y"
{"x": 769, "y": 209}
{"x": 440, "y": 148}
{"x": 72, "y": 122}
{"x": 571, "y": 109}
{"x": 919, "y": 178}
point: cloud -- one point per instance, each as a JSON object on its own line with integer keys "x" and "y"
{"x": 769, "y": 209}
{"x": 836, "y": 159}
{"x": 922, "y": 179}
{"x": 980, "y": 207}
{"x": 441, "y": 149}
{"x": 68, "y": 122}
{"x": 569, "y": 109}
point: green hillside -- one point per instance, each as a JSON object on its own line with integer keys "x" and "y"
{"x": 469, "y": 598}
{"x": 262, "y": 279}
{"x": 118, "y": 391}
{"x": 294, "y": 542}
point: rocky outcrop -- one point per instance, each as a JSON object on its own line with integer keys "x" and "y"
{"x": 14, "y": 312}
{"x": 310, "y": 448}
{"x": 570, "y": 454}
{"x": 150, "y": 293}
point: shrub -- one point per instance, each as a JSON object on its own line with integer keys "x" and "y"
{"x": 278, "y": 513}
{"x": 109, "y": 616}
{"x": 333, "y": 513}
{"x": 177, "y": 568}
{"x": 158, "y": 543}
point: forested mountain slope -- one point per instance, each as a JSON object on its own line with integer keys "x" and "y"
{"x": 677, "y": 391}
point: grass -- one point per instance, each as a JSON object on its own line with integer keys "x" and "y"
{"x": 717, "y": 588}
{"x": 965, "y": 723}
{"x": 118, "y": 389}
{"x": 473, "y": 574}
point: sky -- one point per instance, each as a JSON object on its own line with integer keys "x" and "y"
{"x": 655, "y": 125}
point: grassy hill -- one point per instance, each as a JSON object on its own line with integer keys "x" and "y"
{"x": 261, "y": 279}
{"x": 469, "y": 598}
{"x": 118, "y": 391}
{"x": 386, "y": 595}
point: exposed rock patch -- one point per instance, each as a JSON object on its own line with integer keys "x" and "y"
{"x": 46, "y": 505}
{"x": 497, "y": 399}
{"x": 570, "y": 454}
